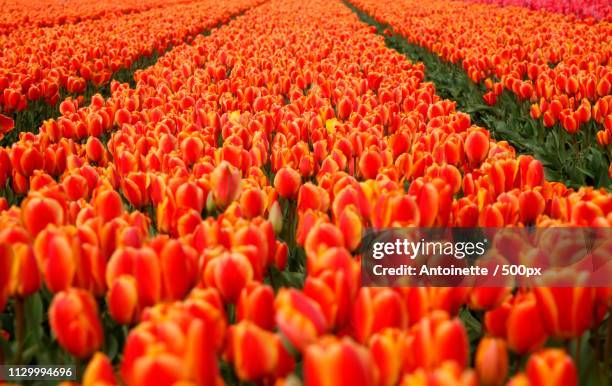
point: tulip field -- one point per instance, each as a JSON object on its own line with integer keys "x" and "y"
{"x": 185, "y": 186}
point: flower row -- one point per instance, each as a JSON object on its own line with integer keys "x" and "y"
{"x": 597, "y": 9}
{"x": 44, "y": 13}
{"x": 562, "y": 67}
{"x": 38, "y": 63}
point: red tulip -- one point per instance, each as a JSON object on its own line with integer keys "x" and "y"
{"x": 25, "y": 276}
{"x": 338, "y": 362}
{"x": 252, "y": 203}
{"x": 99, "y": 371}
{"x": 385, "y": 348}
{"x": 229, "y": 273}
{"x": 108, "y": 205}
{"x": 256, "y": 304}
{"x": 55, "y": 259}
{"x": 476, "y": 147}
{"x": 38, "y": 212}
{"x": 122, "y": 300}
{"x": 376, "y": 309}
{"x": 256, "y": 353}
{"x": 433, "y": 340}
{"x": 287, "y": 182}
{"x": 225, "y": 184}
{"x": 73, "y": 316}
{"x": 551, "y": 367}
{"x": 6, "y": 257}
{"x": 370, "y": 163}
{"x": 566, "y": 312}
{"x": 299, "y": 318}
{"x": 449, "y": 373}
{"x": 491, "y": 361}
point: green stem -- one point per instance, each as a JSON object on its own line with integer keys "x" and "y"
{"x": 597, "y": 348}
{"x": 19, "y": 329}
{"x": 608, "y": 348}
{"x": 578, "y": 347}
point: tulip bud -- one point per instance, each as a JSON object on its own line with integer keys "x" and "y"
{"x": 256, "y": 303}
{"x": 39, "y": 212}
{"x": 94, "y": 149}
{"x": 551, "y": 367}
{"x": 229, "y": 273}
{"x": 352, "y": 228}
{"x": 73, "y": 316}
{"x": 6, "y": 257}
{"x": 519, "y": 322}
{"x": 385, "y": 348}
{"x": 99, "y": 372}
{"x": 252, "y": 203}
{"x": 178, "y": 268}
{"x": 25, "y": 274}
{"x": 108, "y": 205}
{"x": 287, "y": 182}
{"x": 225, "y": 183}
{"x": 492, "y": 361}
{"x": 210, "y": 202}
{"x": 6, "y": 124}
{"x": 531, "y": 205}
{"x": 55, "y": 259}
{"x": 122, "y": 299}
{"x": 476, "y": 147}
{"x": 275, "y": 216}
{"x": 449, "y": 373}
{"x": 370, "y": 163}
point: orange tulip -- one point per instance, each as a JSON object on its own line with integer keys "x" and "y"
{"x": 338, "y": 362}
{"x": 40, "y": 212}
{"x": 566, "y": 312}
{"x": 108, "y": 205}
{"x": 122, "y": 300}
{"x": 252, "y": 203}
{"x": 73, "y": 316}
{"x": 229, "y": 273}
{"x": 351, "y": 227}
{"x": 257, "y": 353}
{"x": 519, "y": 322}
{"x": 370, "y": 163}
{"x": 449, "y": 373}
{"x": 6, "y": 124}
{"x": 385, "y": 348}
{"x": 287, "y": 182}
{"x": 433, "y": 340}
{"x": 55, "y": 259}
{"x": 99, "y": 371}
{"x": 256, "y": 304}
{"x": 476, "y": 147}
{"x": 25, "y": 276}
{"x": 299, "y": 318}
{"x": 179, "y": 269}
{"x": 551, "y": 367}
{"x": 376, "y": 309}
{"x": 6, "y": 256}
{"x": 491, "y": 361}
{"x": 225, "y": 184}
